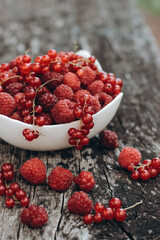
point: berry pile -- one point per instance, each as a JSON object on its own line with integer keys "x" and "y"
{"x": 114, "y": 211}
{"x": 129, "y": 158}
{"x": 52, "y": 89}
{"x": 13, "y": 192}
{"x": 148, "y": 169}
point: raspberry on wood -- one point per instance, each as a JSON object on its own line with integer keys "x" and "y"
{"x": 34, "y": 171}
{"x": 85, "y": 180}
{"x": 34, "y": 216}
{"x": 108, "y": 139}
{"x": 60, "y": 179}
{"x": 80, "y": 203}
{"x": 129, "y": 155}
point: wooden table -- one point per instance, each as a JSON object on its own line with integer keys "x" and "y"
{"x": 116, "y": 33}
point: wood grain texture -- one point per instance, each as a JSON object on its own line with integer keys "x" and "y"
{"x": 115, "y": 32}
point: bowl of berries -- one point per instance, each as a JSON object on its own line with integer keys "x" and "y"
{"x": 58, "y": 101}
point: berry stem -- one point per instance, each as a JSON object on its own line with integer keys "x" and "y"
{"x": 133, "y": 205}
{"x": 27, "y": 51}
{"x": 9, "y": 78}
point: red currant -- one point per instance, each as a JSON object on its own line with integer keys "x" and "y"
{"x": 135, "y": 175}
{"x": 6, "y": 167}
{"x": 52, "y": 54}
{"x": 97, "y": 218}
{"x": 99, "y": 207}
{"x": 88, "y": 219}
{"x": 87, "y": 118}
{"x": 45, "y": 60}
{"x": 120, "y": 215}
{"x": 9, "y": 192}
{"x": 2, "y": 189}
{"x": 108, "y": 214}
{"x": 14, "y": 186}
{"x": 145, "y": 175}
{"x": 10, "y": 202}
{"x": 26, "y": 59}
{"x": 19, "y": 194}
{"x": 8, "y": 175}
{"x": 25, "y": 201}
{"x": 115, "y": 203}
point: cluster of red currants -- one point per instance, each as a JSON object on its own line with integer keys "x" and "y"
{"x": 30, "y": 135}
{"x": 148, "y": 169}
{"x": 114, "y": 211}
{"x": 14, "y": 194}
{"x": 84, "y": 112}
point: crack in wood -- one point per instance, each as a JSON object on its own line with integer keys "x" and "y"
{"x": 60, "y": 218}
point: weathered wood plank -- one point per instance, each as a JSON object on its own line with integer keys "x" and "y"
{"x": 116, "y": 33}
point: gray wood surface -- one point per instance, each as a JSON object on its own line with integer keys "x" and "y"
{"x": 116, "y": 33}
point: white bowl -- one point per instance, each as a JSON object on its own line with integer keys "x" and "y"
{"x": 55, "y": 137}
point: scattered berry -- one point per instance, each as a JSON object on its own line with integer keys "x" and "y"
{"x": 60, "y": 179}
{"x": 34, "y": 171}
{"x": 34, "y": 216}
{"x": 79, "y": 203}
{"x": 85, "y": 181}
{"x": 129, "y": 155}
{"x": 108, "y": 139}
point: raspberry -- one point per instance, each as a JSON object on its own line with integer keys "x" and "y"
{"x": 108, "y": 139}
{"x": 56, "y": 77}
{"x": 129, "y": 155}
{"x": 95, "y": 87}
{"x": 47, "y": 101}
{"x": 63, "y": 91}
{"x": 7, "y": 104}
{"x": 85, "y": 180}
{"x": 94, "y": 103}
{"x": 80, "y": 93}
{"x": 34, "y": 171}
{"x": 14, "y": 88}
{"x": 88, "y": 76}
{"x": 72, "y": 81}
{"x": 80, "y": 203}
{"x": 34, "y": 216}
{"x": 63, "y": 111}
{"x": 104, "y": 99}
{"x": 47, "y": 118}
{"x": 7, "y": 77}
{"x": 60, "y": 179}
{"x": 16, "y": 116}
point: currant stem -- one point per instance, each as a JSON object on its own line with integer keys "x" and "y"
{"x": 9, "y": 78}
{"x": 27, "y": 51}
{"x": 134, "y": 205}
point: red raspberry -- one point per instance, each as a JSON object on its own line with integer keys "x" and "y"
{"x": 80, "y": 93}
{"x": 88, "y": 76}
{"x": 63, "y": 111}
{"x": 7, "y": 104}
{"x": 47, "y": 118}
{"x": 63, "y": 91}
{"x": 85, "y": 180}
{"x": 34, "y": 171}
{"x": 60, "y": 179}
{"x": 16, "y": 116}
{"x": 14, "y": 88}
{"x": 104, "y": 99}
{"x": 72, "y": 81}
{"x": 47, "y": 101}
{"x": 80, "y": 203}
{"x": 94, "y": 103}
{"x": 7, "y": 75}
{"x": 51, "y": 76}
{"x": 95, "y": 87}
{"x": 34, "y": 216}
{"x": 129, "y": 155}
{"x": 108, "y": 139}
